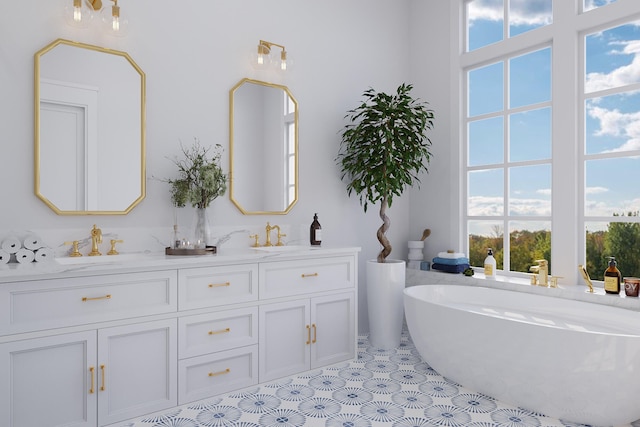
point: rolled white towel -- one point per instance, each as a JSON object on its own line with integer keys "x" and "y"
{"x": 452, "y": 255}
{"x": 5, "y": 257}
{"x": 32, "y": 242}
{"x": 25, "y": 256}
{"x": 11, "y": 244}
{"x": 44, "y": 255}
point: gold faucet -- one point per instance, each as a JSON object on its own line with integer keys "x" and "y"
{"x": 542, "y": 270}
{"x": 74, "y": 251}
{"x": 96, "y": 238}
{"x": 113, "y": 250}
{"x": 585, "y": 276}
{"x": 269, "y": 228}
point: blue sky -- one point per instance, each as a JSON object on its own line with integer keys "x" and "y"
{"x": 612, "y": 122}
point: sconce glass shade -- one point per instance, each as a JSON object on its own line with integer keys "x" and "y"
{"x": 114, "y": 22}
{"x": 283, "y": 63}
{"x": 261, "y": 59}
{"x": 78, "y": 13}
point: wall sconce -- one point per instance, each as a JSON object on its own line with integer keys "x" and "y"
{"x": 79, "y": 14}
{"x": 263, "y": 59}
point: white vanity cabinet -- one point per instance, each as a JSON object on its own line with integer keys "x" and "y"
{"x": 95, "y": 346}
{"x": 315, "y": 328}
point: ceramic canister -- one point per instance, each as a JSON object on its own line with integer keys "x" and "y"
{"x": 631, "y": 286}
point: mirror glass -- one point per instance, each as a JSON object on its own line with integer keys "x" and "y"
{"x": 89, "y": 129}
{"x": 263, "y": 147}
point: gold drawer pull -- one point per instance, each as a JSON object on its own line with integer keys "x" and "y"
{"x": 315, "y": 333}
{"x": 221, "y": 331}
{"x": 219, "y": 285}
{"x": 102, "y": 387}
{"x": 215, "y": 374}
{"x": 93, "y": 379}
{"x": 309, "y": 275}
{"x": 308, "y": 335}
{"x": 108, "y": 296}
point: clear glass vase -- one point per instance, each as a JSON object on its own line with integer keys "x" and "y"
{"x": 201, "y": 234}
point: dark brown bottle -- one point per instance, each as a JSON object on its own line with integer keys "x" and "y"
{"x": 315, "y": 232}
{"x": 612, "y": 277}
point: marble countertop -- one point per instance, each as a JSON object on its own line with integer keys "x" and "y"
{"x": 150, "y": 261}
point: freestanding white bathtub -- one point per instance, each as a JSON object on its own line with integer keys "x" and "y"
{"x": 567, "y": 359}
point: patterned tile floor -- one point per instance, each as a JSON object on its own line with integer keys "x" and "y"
{"x": 393, "y": 388}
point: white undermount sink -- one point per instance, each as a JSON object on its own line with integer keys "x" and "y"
{"x": 291, "y": 248}
{"x": 102, "y": 259}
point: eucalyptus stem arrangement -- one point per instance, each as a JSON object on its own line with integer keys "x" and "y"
{"x": 201, "y": 179}
{"x": 383, "y": 150}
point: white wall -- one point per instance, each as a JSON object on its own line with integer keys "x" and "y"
{"x": 193, "y": 52}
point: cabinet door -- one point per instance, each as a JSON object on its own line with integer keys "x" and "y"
{"x": 285, "y": 339}
{"x": 333, "y": 333}
{"x": 137, "y": 370}
{"x": 48, "y": 381}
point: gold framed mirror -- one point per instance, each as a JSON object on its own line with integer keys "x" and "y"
{"x": 263, "y": 148}
{"x": 89, "y": 156}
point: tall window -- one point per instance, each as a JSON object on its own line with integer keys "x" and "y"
{"x": 516, "y": 168}
{"x": 611, "y": 163}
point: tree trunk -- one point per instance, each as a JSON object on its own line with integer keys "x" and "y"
{"x": 382, "y": 238}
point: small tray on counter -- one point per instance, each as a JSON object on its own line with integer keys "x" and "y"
{"x": 209, "y": 250}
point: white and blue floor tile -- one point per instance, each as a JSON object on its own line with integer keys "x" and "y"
{"x": 393, "y": 388}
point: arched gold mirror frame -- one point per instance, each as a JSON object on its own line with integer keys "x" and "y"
{"x": 249, "y": 167}
{"x": 114, "y": 167}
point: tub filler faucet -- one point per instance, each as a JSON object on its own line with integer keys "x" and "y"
{"x": 542, "y": 271}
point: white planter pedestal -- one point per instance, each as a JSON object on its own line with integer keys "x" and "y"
{"x": 385, "y": 285}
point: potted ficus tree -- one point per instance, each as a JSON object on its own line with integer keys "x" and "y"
{"x": 383, "y": 151}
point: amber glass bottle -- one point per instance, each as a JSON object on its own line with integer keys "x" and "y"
{"x": 612, "y": 277}
{"x": 315, "y": 232}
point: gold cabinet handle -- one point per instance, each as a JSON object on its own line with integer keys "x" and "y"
{"x": 108, "y": 296}
{"x": 309, "y": 275}
{"x": 220, "y": 331}
{"x": 308, "y": 335}
{"x": 93, "y": 379}
{"x": 102, "y": 386}
{"x": 315, "y": 333}
{"x": 215, "y": 374}
{"x": 219, "y": 285}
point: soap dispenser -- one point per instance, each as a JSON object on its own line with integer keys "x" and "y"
{"x": 612, "y": 277}
{"x": 315, "y": 235}
{"x": 490, "y": 265}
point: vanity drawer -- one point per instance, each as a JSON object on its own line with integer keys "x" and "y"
{"x": 298, "y": 277}
{"x": 206, "y": 376}
{"x": 211, "y": 332}
{"x": 53, "y": 303}
{"x": 215, "y": 286}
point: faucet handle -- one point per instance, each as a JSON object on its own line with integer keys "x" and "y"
{"x": 554, "y": 281}
{"x": 113, "y": 250}
{"x": 74, "y": 249}
{"x": 256, "y": 244}
{"x": 280, "y": 236}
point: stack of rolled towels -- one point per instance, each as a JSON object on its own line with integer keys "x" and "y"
{"x": 450, "y": 262}
{"x": 23, "y": 251}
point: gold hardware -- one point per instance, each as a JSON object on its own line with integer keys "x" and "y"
{"x": 74, "y": 249}
{"x": 264, "y": 48}
{"x": 256, "y": 244}
{"x": 219, "y": 285}
{"x": 585, "y": 276}
{"x": 96, "y": 238}
{"x": 554, "y": 281}
{"x": 93, "y": 379}
{"x": 215, "y": 374}
{"x": 113, "y": 251}
{"x": 221, "y": 331}
{"x": 315, "y": 333}
{"x": 308, "y": 335}
{"x": 108, "y": 296}
{"x": 542, "y": 270}
{"x": 269, "y": 228}
{"x": 534, "y": 279}
{"x": 280, "y": 236}
{"x": 102, "y": 386}
{"x": 309, "y": 275}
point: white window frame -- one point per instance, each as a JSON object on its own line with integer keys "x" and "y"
{"x": 565, "y": 35}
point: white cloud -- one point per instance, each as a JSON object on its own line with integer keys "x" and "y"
{"x": 621, "y": 76}
{"x": 544, "y": 191}
{"x": 522, "y": 12}
{"x": 494, "y": 206}
{"x": 596, "y": 190}
{"x": 617, "y": 124}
